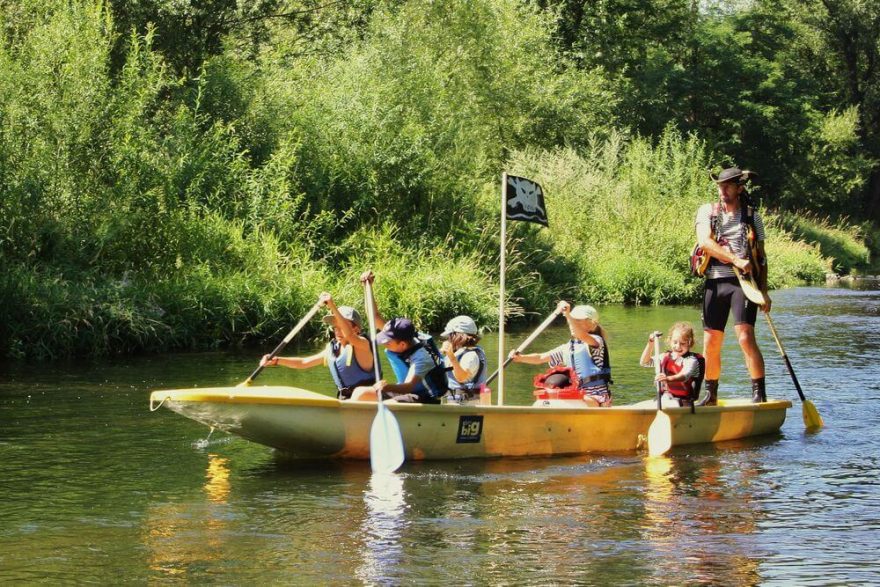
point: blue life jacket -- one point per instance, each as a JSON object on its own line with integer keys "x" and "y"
{"x": 434, "y": 383}
{"x": 582, "y": 362}
{"x": 478, "y": 379}
{"x": 345, "y": 370}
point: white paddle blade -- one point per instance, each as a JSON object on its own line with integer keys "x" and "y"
{"x": 660, "y": 435}
{"x": 386, "y": 442}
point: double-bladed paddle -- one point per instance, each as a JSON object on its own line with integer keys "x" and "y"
{"x": 284, "y": 342}
{"x": 386, "y": 442}
{"x": 660, "y": 432}
{"x": 812, "y": 419}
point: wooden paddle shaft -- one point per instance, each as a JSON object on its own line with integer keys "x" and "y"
{"x": 794, "y": 378}
{"x": 293, "y": 332}
{"x": 525, "y": 343}
{"x": 657, "y": 369}
{"x": 370, "y": 304}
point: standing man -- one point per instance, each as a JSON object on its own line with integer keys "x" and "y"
{"x": 731, "y": 233}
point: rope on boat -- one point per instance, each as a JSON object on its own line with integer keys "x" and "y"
{"x": 152, "y": 409}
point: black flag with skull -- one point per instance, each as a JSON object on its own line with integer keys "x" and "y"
{"x": 525, "y": 200}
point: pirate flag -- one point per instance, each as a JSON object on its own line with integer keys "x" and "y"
{"x": 525, "y": 200}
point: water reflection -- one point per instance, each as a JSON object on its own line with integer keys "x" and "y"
{"x": 217, "y": 484}
{"x": 700, "y": 524}
{"x": 382, "y": 528}
{"x": 180, "y": 535}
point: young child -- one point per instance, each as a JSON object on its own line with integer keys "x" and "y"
{"x": 464, "y": 358}
{"x": 348, "y": 356}
{"x": 421, "y": 377}
{"x": 680, "y": 370}
{"x": 586, "y": 353}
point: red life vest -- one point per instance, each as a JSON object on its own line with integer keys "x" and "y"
{"x": 689, "y": 388}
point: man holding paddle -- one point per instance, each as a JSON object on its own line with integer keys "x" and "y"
{"x": 731, "y": 233}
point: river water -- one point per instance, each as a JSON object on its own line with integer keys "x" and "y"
{"x": 94, "y": 488}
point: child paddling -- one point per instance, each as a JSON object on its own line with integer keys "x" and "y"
{"x": 681, "y": 370}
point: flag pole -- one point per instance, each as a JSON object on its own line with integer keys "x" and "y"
{"x": 503, "y": 271}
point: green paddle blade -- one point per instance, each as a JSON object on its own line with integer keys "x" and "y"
{"x": 812, "y": 419}
{"x": 660, "y": 435}
{"x": 386, "y": 442}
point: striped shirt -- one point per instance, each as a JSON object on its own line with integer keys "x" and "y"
{"x": 562, "y": 355}
{"x": 732, "y": 231}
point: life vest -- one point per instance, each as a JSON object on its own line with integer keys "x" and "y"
{"x": 345, "y": 370}
{"x": 474, "y": 382}
{"x": 589, "y": 374}
{"x": 434, "y": 383}
{"x": 688, "y": 389}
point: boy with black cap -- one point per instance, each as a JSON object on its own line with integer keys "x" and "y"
{"x": 421, "y": 377}
{"x": 349, "y": 355}
{"x": 731, "y": 232}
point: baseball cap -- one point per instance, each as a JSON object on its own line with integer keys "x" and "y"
{"x": 348, "y": 313}
{"x": 396, "y": 329}
{"x": 584, "y": 312}
{"x": 463, "y": 324}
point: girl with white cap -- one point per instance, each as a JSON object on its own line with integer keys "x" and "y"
{"x": 586, "y": 353}
{"x": 463, "y": 357}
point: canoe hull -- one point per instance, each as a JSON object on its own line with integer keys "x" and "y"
{"x": 306, "y": 425}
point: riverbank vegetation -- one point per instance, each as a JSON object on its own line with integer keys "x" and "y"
{"x": 191, "y": 175}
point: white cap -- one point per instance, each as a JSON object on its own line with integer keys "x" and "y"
{"x": 584, "y": 313}
{"x": 463, "y": 324}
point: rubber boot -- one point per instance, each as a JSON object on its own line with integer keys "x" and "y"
{"x": 759, "y": 391}
{"x": 711, "y": 398}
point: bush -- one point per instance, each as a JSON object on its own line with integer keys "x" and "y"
{"x": 843, "y": 244}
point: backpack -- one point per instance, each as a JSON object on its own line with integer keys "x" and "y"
{"x": 435, "y": 379}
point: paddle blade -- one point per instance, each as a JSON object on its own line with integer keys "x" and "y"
{"x": 660, "y": 435}
{"x": 750, "y": 287}
{"x": 386, "y": 442}
{"x": 812, "y": 419}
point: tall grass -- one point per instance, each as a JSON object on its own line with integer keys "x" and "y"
{"x": 844, "y": 244}
{"x": 139, "y": 211}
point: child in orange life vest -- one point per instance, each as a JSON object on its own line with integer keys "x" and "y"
{"x": 680, "y": 369}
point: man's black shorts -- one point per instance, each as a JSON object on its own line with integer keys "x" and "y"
{"x": 722, "y": 296}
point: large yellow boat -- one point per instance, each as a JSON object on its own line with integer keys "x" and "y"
{"x": 311, "y": 426}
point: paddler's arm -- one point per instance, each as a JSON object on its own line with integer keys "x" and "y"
{"x": 339, "y": 321}
{"x": 368, "y": 277}
{"x": 647, "y": 359}
{"x": 363, "y": 353}
{"x": 529, "y": 358}
{"x": 293, "y": 362}
{"x": 458, "y": 371}
{"x": 704, "y": 237}
{"x": 397, "y": 388}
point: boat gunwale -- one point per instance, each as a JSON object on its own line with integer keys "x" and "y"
{"x": 283, "y": 396}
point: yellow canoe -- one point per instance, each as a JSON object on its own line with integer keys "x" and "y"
{"x": 308, "y": 425}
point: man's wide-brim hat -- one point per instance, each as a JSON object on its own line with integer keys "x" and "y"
{"x": 733, "y": 174}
